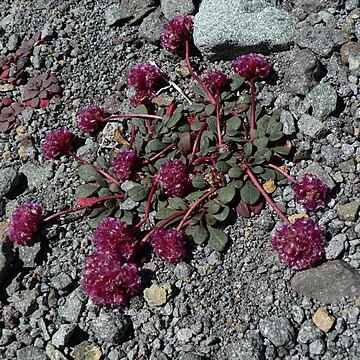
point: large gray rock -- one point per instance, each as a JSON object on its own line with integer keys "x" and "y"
{"x": 152, "y": 26}
{"x": 31, "y": 352}
{"x": 172, "y": 8}
{"x": 9, "y": 180}
{"x": 278, "y": 330}
{"x": 228, "y": 28}
{"x": 329, "y": 282}
{"x": 303, "y": 74}
{"x": 36, "y": 175}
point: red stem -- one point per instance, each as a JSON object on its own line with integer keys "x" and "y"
{"x": 162, "y": 224}
{"x": 194, "y": 206}
{"x": 122, "y": 116}
{"x": 195, "y": 76}
{"x": 159, "y": 154}
{"x": 202, "y": 159}
{"x": 271, "y": 202}
{"x": 148, "y": 204}
{"x": 98, "y": 168}
{"x": 197, "y": 140}
{"x": 280, "y": 170}
{"x": 64, "y": 212}
{"x": 252, "y": 108}
{"x": 218, "y": 122}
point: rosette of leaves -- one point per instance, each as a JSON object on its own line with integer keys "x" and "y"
{"x": 40, "y": 89}
{"x": 9, "y": 110}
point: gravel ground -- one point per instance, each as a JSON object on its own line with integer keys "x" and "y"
{"x": 237, "y": 305}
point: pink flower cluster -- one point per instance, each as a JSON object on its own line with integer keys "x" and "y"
{"x": 301, "y": 245}
{"x": 124, "y": 164}
{"x": 57, "y": 142}
{"x": 146, "y": 79}
{"x": 176, "y": 32}
{"x": 252, "y": 66}
{"x": 169, "y": 245}
{"x": 311, "y": 192}
{"x": 111, "y": 277}
{"x": 216, "y": 80}
{"x": 25, "y": 223}
{"x": 90, "y": 118}
{"x": 175, "y": 178}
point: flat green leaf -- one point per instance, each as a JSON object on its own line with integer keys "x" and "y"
{"x": 238, "y": 184}
{"x": 210, "y": 220}
{"x": 211, "y": 120}
{"x": 213, "y": 207}
{"x": 141, "y": 109}
{"x": 86, "y": 190}
{"x": 88, "y": 173}
{"x": 104, "y": 192}
{"x": 138, "y": 193}
{"x": 94, "y": 221}
{"x": 218, "y": 239}
{"x": 235, "y": 172}
{"x": 198, "y": 232}
{"x": 102, "y": 162}
{"x": 249, "y": 193}
{"x": 236, "y": 82}
{"x": 282, "y": 150}
{"x": 140, "y": 124}
{"x": 276, "y": 135}
{"x": 268, "y": 174}
{"x": 115, "y": 188}
{"x": 174, "y": 119}
{"x": 261, "y": 142}
{"x": 199, "y": 182}
{"x": 96, "y": 211}
{"x": 195, "y": 195}
{"x": 197, "y": 107}
{"x": 227, "y": 193}
{"x": 223, "y": 214}
{"x": 155, "y": 145}
{"x": 233, "y": 123}
{"x": 248, "y": 149}
{"x": 209, "y": 109}
{"x": 223, "y": 166}
{"x": 128, "y": 217}
{"x": 177, "y": 203}
{"x": 257, "y": 169}
{"x": 165, "y": 213}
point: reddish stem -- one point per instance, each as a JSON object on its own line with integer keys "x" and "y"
{"x": 122, "y": 116}
{"x": 162, "y": 224}
{"x": 148, "y": 126}
{"x": 64, "y": 212}
{"x": 98, "y": 168}
{"x": 132, "y": 138}
{"x": 195, "y": 76}
{"x": 257, "y": 184}
{"x": 280, "y": 170}
{"x": 218, "y": 122}
{"x": 252, "y": 108}
{"x": 194, "y": 206}
{"x": 91, "y": 201}
{"x": 203, "y": 159}
{"x": 197, "y": 141}
{"x": 159, "y": 154}
{"x": 148, "y": 204}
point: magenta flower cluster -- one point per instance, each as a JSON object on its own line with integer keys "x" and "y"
{"x": 146, "y": 79}
{"x": 301, "y": 245}
{"x": 90, "y": 118}
{"x": 176, "y": 32}
{"x": 169, "y": 245}
{"x": 216, "y": 80}
{"x": 25, "y": 223}
{"x": 124, "y": 164}
{"x": 252, "y": 66}
{"x": 111, "y": 277}
{"x": 57, "y": 142}
{"x": 311, "y": 192}
{"x": 175, "y": 178}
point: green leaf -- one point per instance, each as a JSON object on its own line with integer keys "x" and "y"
{"x": 177, "y": 203}
{"x": 218, "y": 239}
{"x": 102, "y": 162}
{"x": 222, "y": 215}
{"x": 198, "y": 232}
{"x": 276, "y": 135}
{"x": 237, "y": 81}
{"x": 195, "y": 195}
{"x": 282, "y": 150}
{"x": 86, "y": 190}
{"x": 213, "y": 207}
{"x": 155, "y": 145}
{"x": 140, "y": 123}
{"x": 197, "y": 107}
{"x": 141, "y": 109}
{"x": 88, "y": 173}
{"x": 174, "y": 119}
{"x": 198, "y": 182}
{"x": 127, "y": 217}
{"x": 268, "y": 174}
{"x": 223, "y": 166}
{"x": 233, "y": 123}
{"x": 238, "y": 184}
{"x": 248, "y": 149}
{"x": 114, "y": 188}
{"x": 209, "y": 109}
{"x": 257, "y": 169}
{"x": 94, "y": 221}
{"x": 262, "y": 123}
{"x": 227, "y": 193}
{"x": 235, "y": 172}
{"x": 210, "y": 220}
{"x": 249, "y": 193}
{"x": 261, "y": 142}
{"x": 96, "y": 212}
{"x": 267, "y": 156}
{"x": 211, "y": 120}
{"x": 138, "y": 193}
{"x": 104, "y": 192}
{"x": 138, "y": 143}
{"x": 165, "y": 213}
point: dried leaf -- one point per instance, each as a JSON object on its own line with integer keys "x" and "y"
{"x": 119, "y": 138}
{"x": 269, "y": 186}
{"x": 293, "y": 217}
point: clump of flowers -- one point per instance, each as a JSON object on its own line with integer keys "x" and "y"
{"x": 124, "y": 164}
{"x": 25, "y": 223}
{"x": 109, "y": 282}
{"x": 174, "y": 178}
{"x": 90, "y": 118}
{"x": 311, "y": 192}
{"x": 146, "y": 79}
{"x": 300, "y": 245}
{"x": 176, "y": 32}
{"x": 169, "y": 245}
{"x": 57, "y": 142}
{"x": 180, "y": 172}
